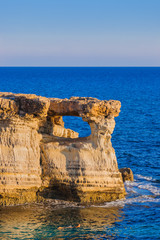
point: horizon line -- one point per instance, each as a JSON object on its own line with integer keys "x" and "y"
{"x": 80, "y": 66}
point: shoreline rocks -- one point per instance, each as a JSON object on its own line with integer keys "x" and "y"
{"x": 40, "y": 159}
{"x": 127, "y": 174}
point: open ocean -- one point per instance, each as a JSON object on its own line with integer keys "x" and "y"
{"x": 136, "y": 140}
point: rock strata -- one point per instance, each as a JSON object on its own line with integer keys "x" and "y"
{"x": 40, "y": 158}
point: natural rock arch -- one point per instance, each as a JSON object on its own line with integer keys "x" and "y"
{"x": 40, "y": 158}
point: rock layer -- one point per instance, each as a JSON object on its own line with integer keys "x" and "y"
{"x": 39, "y": 158}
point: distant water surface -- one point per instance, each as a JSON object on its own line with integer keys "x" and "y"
{"x": 136, "y": 140}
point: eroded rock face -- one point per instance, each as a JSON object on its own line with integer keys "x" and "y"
{"x": 39, "y": 158}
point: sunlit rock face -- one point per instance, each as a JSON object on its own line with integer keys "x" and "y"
{"x": 39, "y": 158}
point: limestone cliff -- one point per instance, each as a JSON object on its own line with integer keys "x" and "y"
{"x": 39, "y": 158}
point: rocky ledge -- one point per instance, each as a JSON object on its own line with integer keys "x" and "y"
{"x": 40, "y": 159}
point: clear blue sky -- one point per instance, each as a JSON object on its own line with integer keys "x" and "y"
{"x": 79, "y": 32}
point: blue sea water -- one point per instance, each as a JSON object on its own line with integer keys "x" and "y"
{"x": 136, "y": 140}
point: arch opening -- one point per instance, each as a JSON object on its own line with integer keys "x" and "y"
{"x": 78, "y": 125}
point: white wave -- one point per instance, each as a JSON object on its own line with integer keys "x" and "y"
{"x": 140, "y": 185}
{"x": 143, "y": 177}
{"x": 117, "y": 203}
{"x": 140, "y": 199}
{"x": 151, "y": 188}
{"x": 131, "y": 184}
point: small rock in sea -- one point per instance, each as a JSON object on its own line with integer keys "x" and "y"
{"x": 127, "y": 174}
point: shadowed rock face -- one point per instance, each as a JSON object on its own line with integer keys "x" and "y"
{"x": 40, "y": 159}
{"x": 127, "y": 174}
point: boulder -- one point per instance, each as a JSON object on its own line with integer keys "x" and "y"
{"x": 127, "y": 174}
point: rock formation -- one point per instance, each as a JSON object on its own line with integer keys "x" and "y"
{"x": 40, "y": 159}
{"x": 127, "y": 174}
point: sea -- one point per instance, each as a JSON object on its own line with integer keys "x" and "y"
{"x": 136, "y": 140}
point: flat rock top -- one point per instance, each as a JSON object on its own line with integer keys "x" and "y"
{"x": 75, "y": 106}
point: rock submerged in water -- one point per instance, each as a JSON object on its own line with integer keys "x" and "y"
{"x": 127, "y": 174}
{"x": 40, "y": 159}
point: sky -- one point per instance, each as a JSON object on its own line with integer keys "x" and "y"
{"x": 79, "y": 32}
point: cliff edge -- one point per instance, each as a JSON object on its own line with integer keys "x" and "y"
{"x": 39, "y": 158}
